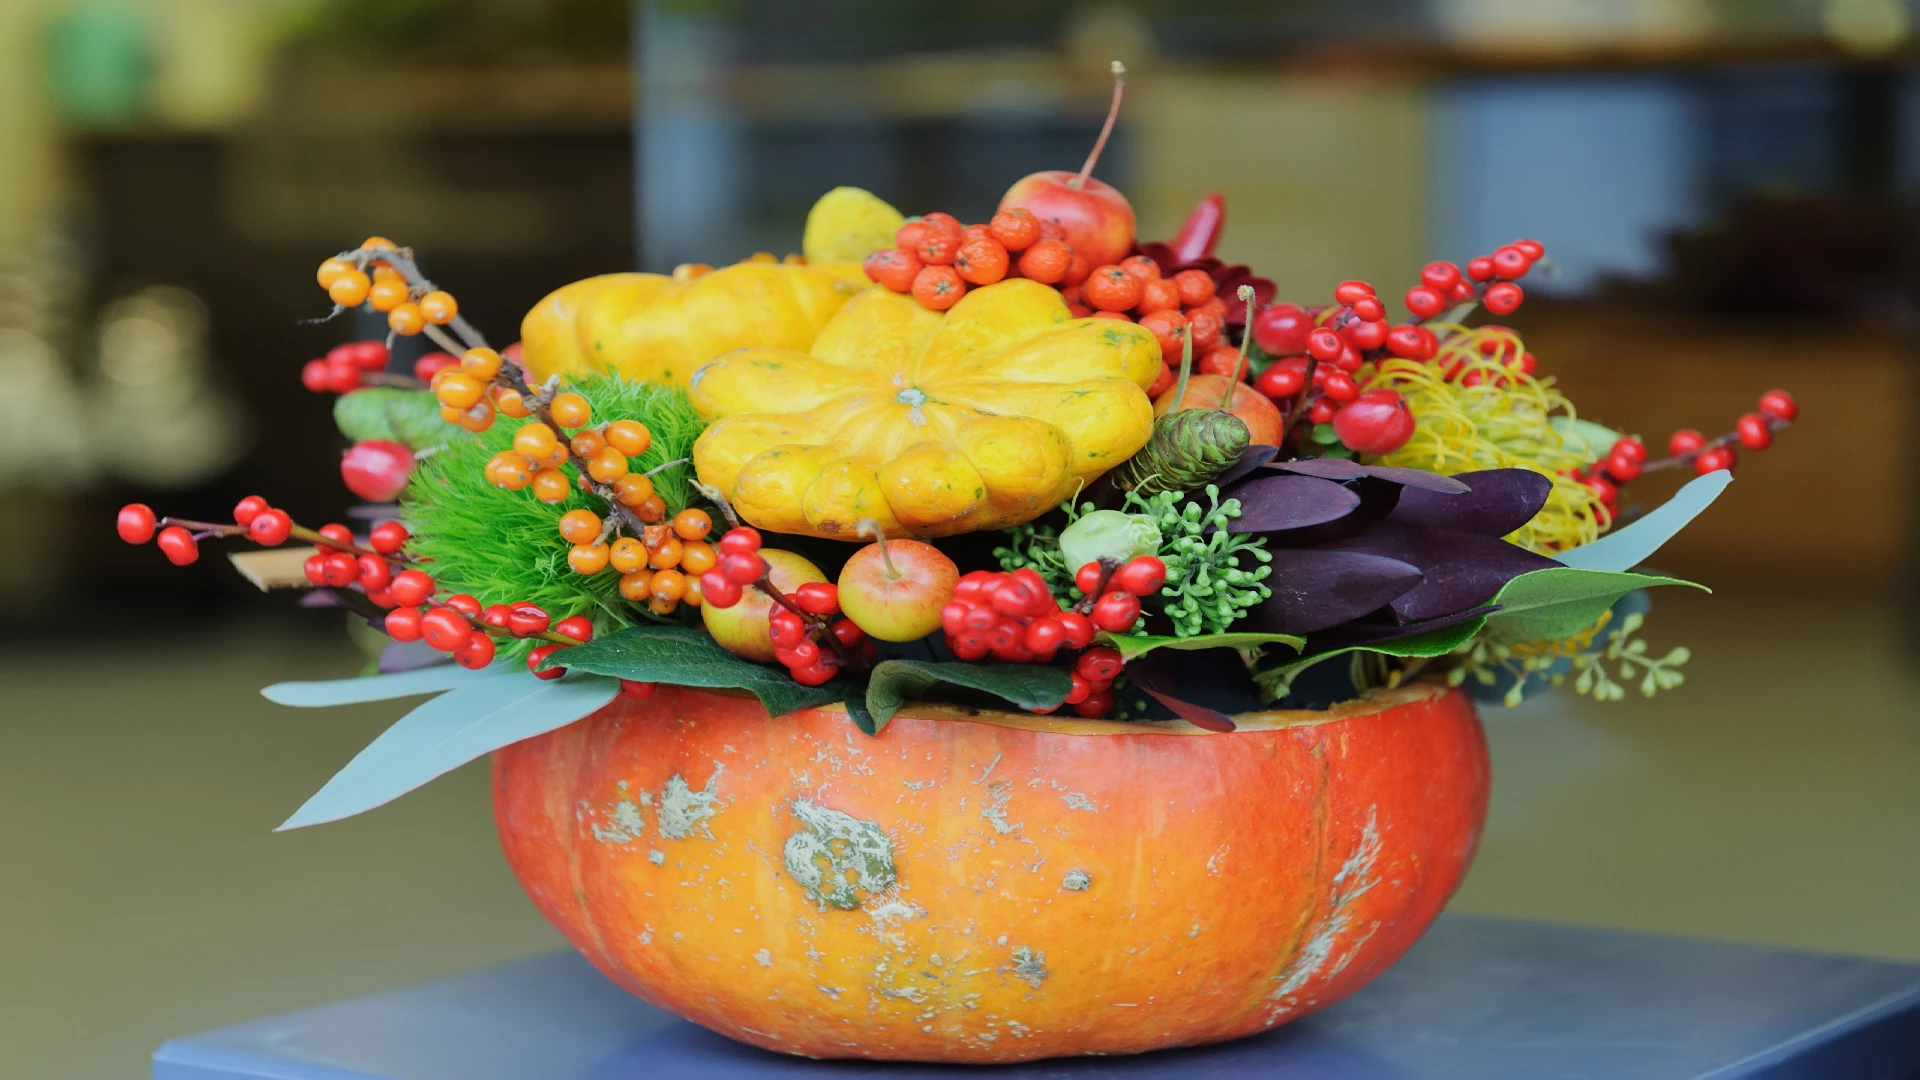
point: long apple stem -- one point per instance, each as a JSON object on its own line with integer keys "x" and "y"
{"x": 1113, "y": 116}
{"x": 870, "y": 529}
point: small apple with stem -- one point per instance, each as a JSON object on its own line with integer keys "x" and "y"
{"x": 894, "y": 589}
{"x": 742, "y": 629}
{"x": 1098, "y": 219}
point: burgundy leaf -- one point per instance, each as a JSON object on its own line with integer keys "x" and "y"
{"x": 1501, "y": 501}
{"x": 1460, "y": 570}
{"x": 1343, "y": 469}
{"x": 1377, "y": 500}
{"x": 1274, "y": 503}
{"x": 1315, "y": 588}
{"x": 1198, "y": 715}
{"x": 1250, "y": 459}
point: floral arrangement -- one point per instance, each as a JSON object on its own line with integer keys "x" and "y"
{"x": 1029, "y": 463}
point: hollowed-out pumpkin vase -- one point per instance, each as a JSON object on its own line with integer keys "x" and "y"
{"x": 993, "y": 887}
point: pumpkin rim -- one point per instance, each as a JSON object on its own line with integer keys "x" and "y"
{"x": 1370, "y": 703}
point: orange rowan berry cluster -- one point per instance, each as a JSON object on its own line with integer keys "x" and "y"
{"x": 1133, "y": 290}
{"x": 938, "y": 259}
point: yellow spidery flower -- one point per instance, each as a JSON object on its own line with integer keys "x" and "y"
{"x": 1500, "y": 422}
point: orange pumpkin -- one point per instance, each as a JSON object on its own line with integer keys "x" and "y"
{"x": 992, "y": 887}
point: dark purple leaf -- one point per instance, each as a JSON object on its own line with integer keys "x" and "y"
{"x": 1501, "y": 501}
{"x": 1371, "y": 632}
{"x": 1275, "y": 503}
{"x": 1461, "y": 570}
{"x": 1344, "y": 469}
{"x": 1418, "y": 478}
{"x": 410, "y": 656}
{"x": 1377, "y": 500}
{"x": 1250, "y": 459}
{"x": 1315, "y": 588}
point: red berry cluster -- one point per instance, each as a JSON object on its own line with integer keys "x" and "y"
{"x": 1627, "y": 459}
{"x": 808, "y": 634}
{"x": 1093, "y": 675}
{"x": 1320, "y": 353}
{"x": 350, "y": 366}
{"x": 811, "y": 637}
{"x": 179, "y": 540}
{"x": 457, "y": 625}
{"x": 344, "y": 368}
{"x": 1011, "y": 617}
{"x": 739, "y": 566}
{"x": 938, "y": 259}
{"x": 1014, "y": 618}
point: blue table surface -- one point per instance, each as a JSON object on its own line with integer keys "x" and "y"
{"x": 1477, "y": 998}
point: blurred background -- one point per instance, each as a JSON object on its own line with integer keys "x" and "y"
{"x": 1727, "y": 188}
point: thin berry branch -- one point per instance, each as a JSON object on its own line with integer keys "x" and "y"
{"x": 1775, "y": 425}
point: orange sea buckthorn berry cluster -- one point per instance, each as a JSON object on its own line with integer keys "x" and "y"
{"x": 937, "y": 259}
{"x": 409, "y": 310}
{"x": 662, "y": 567}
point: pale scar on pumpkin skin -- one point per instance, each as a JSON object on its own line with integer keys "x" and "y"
{"x": 1352, "y": 881}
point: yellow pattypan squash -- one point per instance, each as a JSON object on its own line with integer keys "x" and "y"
{"x": 929, "y": 424}
{"x": 659, "y": 328}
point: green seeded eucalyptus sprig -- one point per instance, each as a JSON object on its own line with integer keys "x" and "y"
{"x": 1207, "y": 586}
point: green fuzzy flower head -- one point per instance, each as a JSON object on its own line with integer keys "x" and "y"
{"x": 503, "y": 546}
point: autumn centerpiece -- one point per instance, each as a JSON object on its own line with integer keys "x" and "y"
{"x": 881, "y": 648}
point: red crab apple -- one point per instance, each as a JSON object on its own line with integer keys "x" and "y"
{"x": 895, "y": 592}
{"x": 377, "y": 470}
{"x": 1254, "y": 408}
{"x": 1098, "y": 220}
{"x": 742, "y": 628}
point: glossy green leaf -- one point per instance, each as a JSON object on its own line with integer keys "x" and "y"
{"x": 449, "y": 731}
{"x": 1134, "y": 646}
{"x": 687, "y": 656}
{"x": 1631, "y": 545}
{"x": 432, "y": 680}
{"x": 1030, "y": 686}
{"x": 1432, "y": 643}
{"x": 1561, "y": 601}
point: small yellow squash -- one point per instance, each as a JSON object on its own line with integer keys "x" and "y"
{"x": 929, "y": 424}
{"x": 659, "y": 328}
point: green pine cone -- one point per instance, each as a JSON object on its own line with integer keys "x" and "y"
{"x": 1187, "y": 449}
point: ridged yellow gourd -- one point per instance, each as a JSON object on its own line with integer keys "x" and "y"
{"x": 929, "y": 424}
{"x": 658, "y": 328}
